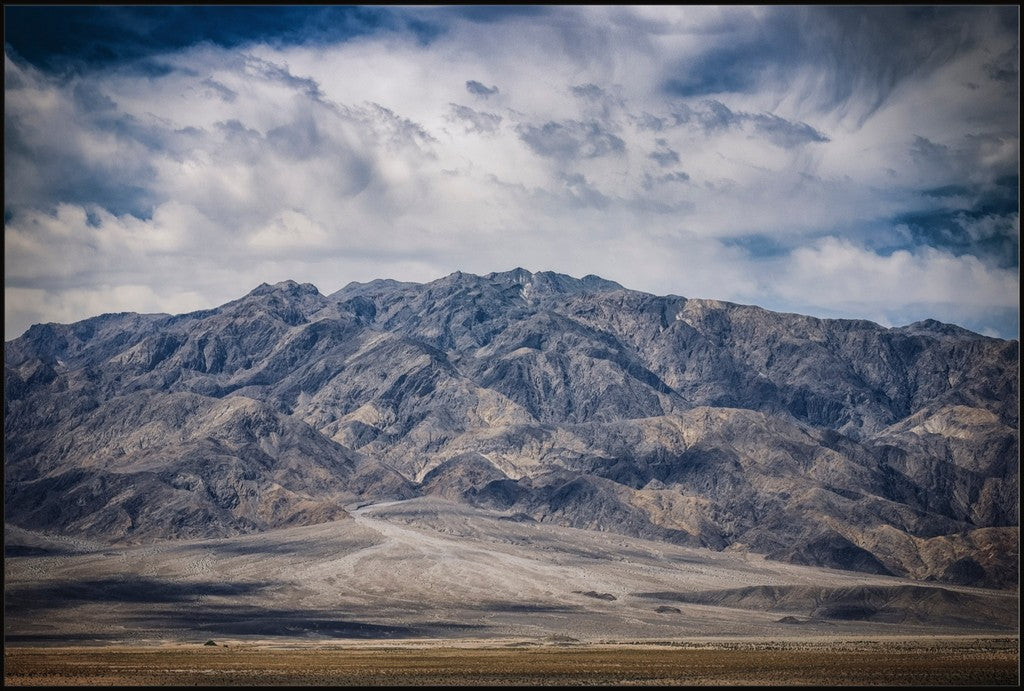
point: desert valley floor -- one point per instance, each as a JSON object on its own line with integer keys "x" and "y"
{"x": 880, "y": 661}
{"x": 417, "y": 574}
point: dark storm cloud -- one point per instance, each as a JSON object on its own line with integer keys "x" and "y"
{"x": 757, "y": 245}
{"x": 721, "y": 70}
{"x": 927, "y": 152}
{"x": 46, "y": 163}
{"x": 990, "y": 237}
{"x": 75, "y": 179}
{"x": 974, "y": 156}
{"x": 73, "y": 38}
{"x": 744, "y": 51}
{"x": 571, "y": 139}
{"x": 488, "y": 14}
{"x": 477, "y": 89}
{"x": 977, "y": 220}
{"x": 91, "y": 100}
{"x": 864, "y": 54}
{"x": 475, "y": 120}
{"x": 147, "y": 137}
{"x": 1005, "y": 67}
{"x": 150, "y": 69}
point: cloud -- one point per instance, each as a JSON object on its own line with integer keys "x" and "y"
{"x": 219, "y": 89}
{"x": 784, "y": 133}
{"x": 82, "y": 37}
{"x": 270, "y": 71}
{"x": 396, "y": 129}
{"x": 588, "y": 91}
{"x": 757, "y": 245}
{"x": 664, "y": 155}
{"x": 1005, "y": 67}
{"x": 474, "y": 120}
{"x": 856, "y": 281}
{"x": 651, "y": 181}
{"x": 571, "y": 139}
{"x": 831, "y": 57}
{"x": 994, "y": 237}
{"x": 715, "y": 116}
{"x": 583, "y": 193}
{"x": 290, "y": 232}
{"x": 67, "y": 306}
{"x": 184, "y": 164}
{"x": 103, "y": 157}
{"x": 477, "y": 89}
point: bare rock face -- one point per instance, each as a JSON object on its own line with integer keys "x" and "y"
{"x": 836, "y": 443}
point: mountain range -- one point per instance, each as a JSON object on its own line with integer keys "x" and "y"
{"x": 577, "y": 402}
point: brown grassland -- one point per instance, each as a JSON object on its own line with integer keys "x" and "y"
{"x": 909, "y": 662}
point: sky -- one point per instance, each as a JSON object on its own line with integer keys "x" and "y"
{"x": 853, "y": 162}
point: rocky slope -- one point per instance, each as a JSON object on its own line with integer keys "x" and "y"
{"x": 824, "y": 442}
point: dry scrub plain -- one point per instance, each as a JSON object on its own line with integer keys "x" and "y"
{"x": 869, "y": 662}
{"x": 425, "y": 591}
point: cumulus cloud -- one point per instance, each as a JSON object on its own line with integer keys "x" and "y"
{"x": 841, "y": 162}
{"x": 853, "y": 280}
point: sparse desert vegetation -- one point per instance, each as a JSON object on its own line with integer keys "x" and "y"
{"x": 951, "y": 661}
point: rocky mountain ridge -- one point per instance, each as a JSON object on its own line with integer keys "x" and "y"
{"x": 577, "y": 401}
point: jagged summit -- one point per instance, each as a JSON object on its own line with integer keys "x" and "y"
{"x": 543, "y": 281}
{"x": 518, "y": 275}
{"x": 287, "y": 287}
{"x": 378, "y": 285}
{"x": 935, "y": 327}
{"x": 570, "y": 400}
{"x": 552, "y": 282}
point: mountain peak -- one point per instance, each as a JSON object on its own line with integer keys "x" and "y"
{"x": 563, "y": 399}
{"x": 516, "y": 275}
{"x": 357, "y": 288}
{"x": 288, "y": 287}
{"x": 551, "y": 282}
{"x": 934, "y": 327}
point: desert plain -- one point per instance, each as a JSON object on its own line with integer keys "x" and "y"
{"x": 427, "y": 591}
